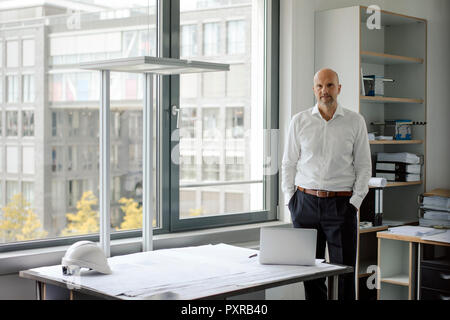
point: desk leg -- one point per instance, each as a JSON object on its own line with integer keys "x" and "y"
{"x": 419, "y": 258}
{"x": 38, "y": 291}
{"x": 334, "y": 292}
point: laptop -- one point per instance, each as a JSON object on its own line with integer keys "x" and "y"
{"x": 290, "y": 246}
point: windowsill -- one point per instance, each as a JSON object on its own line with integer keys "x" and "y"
{"x": 243, "y": 235}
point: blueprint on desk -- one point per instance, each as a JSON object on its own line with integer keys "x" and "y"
{"x": 182, "y": 273}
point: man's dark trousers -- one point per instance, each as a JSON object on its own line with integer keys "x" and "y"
{"x": 335, "y": 220}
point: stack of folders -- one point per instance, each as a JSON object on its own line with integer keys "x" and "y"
{"x": 436, "y": 210}
{"x": 399, "y": 167}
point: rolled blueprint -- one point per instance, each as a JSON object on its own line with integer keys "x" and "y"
{"x": 377, "y": 182}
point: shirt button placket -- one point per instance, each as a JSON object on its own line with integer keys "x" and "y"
{"x": 324, "y": 153}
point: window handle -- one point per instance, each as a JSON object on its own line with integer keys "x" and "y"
{"x": 176, "y": 112}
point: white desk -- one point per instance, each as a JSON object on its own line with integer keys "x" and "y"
{"x": 204, "y": 272}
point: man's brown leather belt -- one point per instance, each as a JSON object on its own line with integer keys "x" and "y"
{"x": 326, "y": 194}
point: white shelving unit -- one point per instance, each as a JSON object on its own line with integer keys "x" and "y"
{"x": 398, "y": 273}
{"x": 398, "y": 50}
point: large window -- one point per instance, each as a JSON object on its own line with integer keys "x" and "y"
{"x": 209, "y": 157}
{"x": 225, "y": 128}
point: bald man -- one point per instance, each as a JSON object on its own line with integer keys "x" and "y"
{"x": 325, "y": 174}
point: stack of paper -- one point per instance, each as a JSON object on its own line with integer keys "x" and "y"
{"x": 404, "y": 157}
{"x": 440, "y": 237}
{"x": 436, "y": 211}
{"x": 402, "y": 167}
{"x": 403, "y": 177}
{"x": 436, "y": 203}
{"x": 415, "y": 231}
{"x": 384, "y": 138}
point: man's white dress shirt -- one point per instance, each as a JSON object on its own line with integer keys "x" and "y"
{"x": 329, "y": 155}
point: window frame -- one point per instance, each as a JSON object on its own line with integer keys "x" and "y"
{"x": 270, "y": 186}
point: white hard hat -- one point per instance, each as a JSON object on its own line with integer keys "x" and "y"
{"x": 85, "y": 254}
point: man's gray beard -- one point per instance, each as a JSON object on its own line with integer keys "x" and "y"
{"x": 327, "y": 105}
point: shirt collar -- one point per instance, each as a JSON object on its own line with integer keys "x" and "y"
{"x": 339, "y": 110}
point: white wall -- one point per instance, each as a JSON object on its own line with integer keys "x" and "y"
{"x": 296, "y": 67}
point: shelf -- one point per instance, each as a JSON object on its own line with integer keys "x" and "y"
{"x": 399, "y": 184}
{"x": 403, "y": 184}
{"x": 387, "y": 59}
{"x": 400, "y": 279}
{"x": 374, "y": 142}
{"x": 390, "y": 18}
{"x": 395, "y": 223}
{"x": 363, "y": 265}
{"x": 378, "y": 99}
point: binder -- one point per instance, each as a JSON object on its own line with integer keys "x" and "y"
{"x": 399, "y": 167}
{"x": 403, "y": 157}
{"x": 398, "y": 177}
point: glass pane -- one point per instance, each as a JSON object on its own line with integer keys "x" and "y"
{"x": 28, "y": 165}
{"x": 12, "y": 54}
{"x": 221, "y": 126}
{"x": 236, "y": 37}
{"x": 27, "y": 123}
{"x": 28, "y": 89}
{"x": 11, "y": 123}
{"x": 54, "y": 176}
{"x": 12, "y": 89}
{"x": 28, "y": 53}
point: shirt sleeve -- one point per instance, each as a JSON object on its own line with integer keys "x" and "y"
{"x": 291, "y": 156}
{"x": 362, "y": 163}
